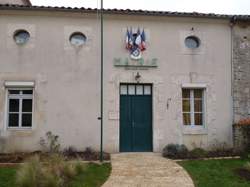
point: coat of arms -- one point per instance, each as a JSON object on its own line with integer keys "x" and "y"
{"x": 135, "y": 43}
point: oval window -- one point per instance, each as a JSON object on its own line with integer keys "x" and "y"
{"x": 21, "y": 37}
{"x": 192, "y": 42}
{"x": 77, "y": 39}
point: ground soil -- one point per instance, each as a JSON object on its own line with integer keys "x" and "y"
{"x": 21, "y": 157}
{"x": 243, "y": 173}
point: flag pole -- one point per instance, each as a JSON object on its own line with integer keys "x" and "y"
{"x": 101, "y": 143}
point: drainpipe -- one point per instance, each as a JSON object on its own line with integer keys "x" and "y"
{"x": 101, "y": 143}
{"x": 232, "y": 23}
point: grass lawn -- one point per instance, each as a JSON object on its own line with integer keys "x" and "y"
{"x": 213, "y": 173}
{"x": 94, "y": 176}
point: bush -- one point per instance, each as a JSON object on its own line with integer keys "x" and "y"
{"x": 247, "y": 166}
{"x": 221, "y": 149}
{"x": 89, "y": 153}
{"x": 29, "y": 174}
{"x": 175, "y": 151}
{"x": 70, "y": 152}
{"x": 198, "y": 153}
{"x": 55, "y": 172}
{"x": 244, "y": 128}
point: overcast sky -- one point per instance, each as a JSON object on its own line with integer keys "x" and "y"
{"x": 206, "y": 6}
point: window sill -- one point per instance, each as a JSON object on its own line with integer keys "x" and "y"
{"x": 194, "y": 130}
{"x": 19, "y": 128}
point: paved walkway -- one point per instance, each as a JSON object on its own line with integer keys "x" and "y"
{"x": 146, "y": 170}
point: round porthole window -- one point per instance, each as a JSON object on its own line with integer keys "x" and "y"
{"x": 21, "y": 37}
{"x": 192, "y": 42}
{"x": 78, "y": 39}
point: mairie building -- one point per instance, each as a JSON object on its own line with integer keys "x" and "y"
{"x": 168, "y": 77}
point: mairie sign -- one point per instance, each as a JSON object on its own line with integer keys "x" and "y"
{"x": 126, "y": 62}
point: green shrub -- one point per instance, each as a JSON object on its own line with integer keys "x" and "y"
{"x": 198, "y": 153}
{"x": 54, "y": 172}
{"x": 175, "y": 151}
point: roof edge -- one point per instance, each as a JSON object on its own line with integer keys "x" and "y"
{"x": 126, "y": 12}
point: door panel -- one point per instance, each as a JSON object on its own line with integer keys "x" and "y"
{"x": 125, "y": 124}
{"x": 142, "y": 119}
{"x": 135, "y": 122}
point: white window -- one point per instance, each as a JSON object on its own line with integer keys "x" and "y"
{"x": 21, "y": 37}
{"x": 192, "y": 42}
{"x": 193, "y": 106}
{"x": 19, "y": 107}
{"x": 78, "y": 39}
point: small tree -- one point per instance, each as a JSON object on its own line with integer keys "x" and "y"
{"x": 51, "y": 143}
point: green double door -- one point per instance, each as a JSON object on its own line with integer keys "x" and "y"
{"x": 135, "y": 118}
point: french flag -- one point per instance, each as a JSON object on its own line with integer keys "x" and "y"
{"x": 131, "y": 41}
{"x": 143, "y": 41}
{"x": 138, "y": 38}
{"x": 128, "y": 40}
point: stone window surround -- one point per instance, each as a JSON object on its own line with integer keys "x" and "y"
{"x": 12, "y": 28}
{"x": 18, "y": 85}
{"x": 188, "y": 51}
{"x": 194, "y": 79}
{"x": 86, "y": 30}
{"x": 194, "y": 129}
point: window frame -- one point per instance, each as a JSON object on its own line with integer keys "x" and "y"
{"x": 20, "y": 112}
{"x": 80, "y": 34}
{"x": 192, "y": 104}
{"x": 193, "y": 38}
{"x": 20, "y": 31}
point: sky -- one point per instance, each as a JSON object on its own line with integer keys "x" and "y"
{"x": 204, "y": 6}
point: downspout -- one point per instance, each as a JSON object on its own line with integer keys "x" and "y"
{"x": 232, "y": 23}
{"x": 101, "y": 143}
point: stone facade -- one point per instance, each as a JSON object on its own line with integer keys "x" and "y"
{"x": 241, "y": 80}
{"x": 241, "y": 71}
{"x": 238, "y": 137}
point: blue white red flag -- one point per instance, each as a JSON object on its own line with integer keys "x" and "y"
{"x": 143, "y": 41}
{"x": 131, "y": 42}
{"x": 138, "y": 38}
{"x": 127, "y": 40}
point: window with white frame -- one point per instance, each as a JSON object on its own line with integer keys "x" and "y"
{"x": 193, "y": 106}
{"x": 20, "y": 107}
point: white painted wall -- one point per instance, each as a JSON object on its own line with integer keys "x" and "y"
{"x": 210, "y": 65}
{"x": 67, "y": 80}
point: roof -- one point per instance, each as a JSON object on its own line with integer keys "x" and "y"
{"x": 125, "y": 12}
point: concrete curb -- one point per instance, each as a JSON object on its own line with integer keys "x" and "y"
{"x": 213, "y": 158}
